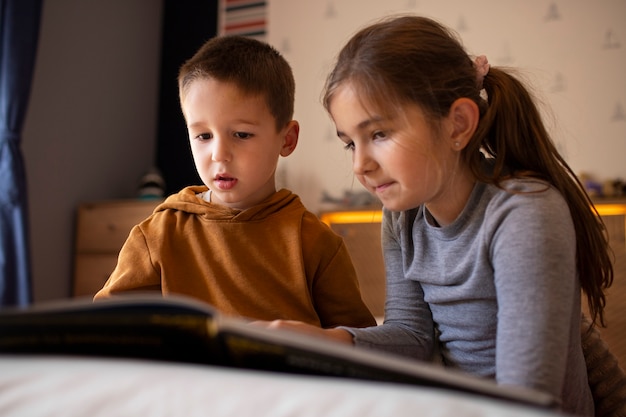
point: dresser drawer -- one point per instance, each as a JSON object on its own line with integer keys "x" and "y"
{"x": 101, "y": 230}
{"x": 363, "y": 243}
{"x": 91, "y": 272}
{"x": 104, "y": 227}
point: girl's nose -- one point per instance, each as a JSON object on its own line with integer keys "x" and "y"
{"x": 362, "y": 162}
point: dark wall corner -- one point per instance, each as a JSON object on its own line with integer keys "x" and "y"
{"x": 187, "y": 24}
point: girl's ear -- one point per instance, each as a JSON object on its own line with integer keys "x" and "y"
{"x": 463, "y": 120}
{"x": 290, "y": 138}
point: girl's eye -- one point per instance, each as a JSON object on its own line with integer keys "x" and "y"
{"x": 379, "y": 135}
{"x": 243, "y": 135}
{"x": 349, "y": 146}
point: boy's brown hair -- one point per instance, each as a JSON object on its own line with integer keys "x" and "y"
{"x": 253, "y": 66}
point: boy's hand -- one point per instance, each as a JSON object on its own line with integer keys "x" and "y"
{"x": 338, "y": 335}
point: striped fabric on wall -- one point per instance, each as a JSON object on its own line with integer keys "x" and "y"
{"x": 243, "y": 17}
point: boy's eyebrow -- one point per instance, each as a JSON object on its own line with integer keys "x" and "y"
{"x": 196, "y": 124}
{"x": 242, "y": 121}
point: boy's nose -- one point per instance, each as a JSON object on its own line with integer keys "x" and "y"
{"x": 221, "y": 150}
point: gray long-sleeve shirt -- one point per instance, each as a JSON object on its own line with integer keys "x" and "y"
{"x": 498, "y": 287}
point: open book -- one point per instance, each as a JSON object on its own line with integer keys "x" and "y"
{"x": 181, "y": 329}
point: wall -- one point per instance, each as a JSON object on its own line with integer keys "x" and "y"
{"x": 572, "y": 51}
{"x": 91, "y": 124}
{"x": 90, "y": 130}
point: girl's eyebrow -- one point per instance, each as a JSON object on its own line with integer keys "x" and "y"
{"x": 363, "y": 125}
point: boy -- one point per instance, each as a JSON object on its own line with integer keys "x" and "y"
{"x": 236, "y": 242}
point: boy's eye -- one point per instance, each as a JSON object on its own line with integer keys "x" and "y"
{"x": 204, "y": 136}
{"x": 349, "y": 146}
{"x": 243, "y": 135}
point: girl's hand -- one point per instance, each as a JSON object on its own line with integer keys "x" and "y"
{"x": 338, "y": 335}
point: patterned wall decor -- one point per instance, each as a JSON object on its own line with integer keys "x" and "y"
{"x": 572, "y": 52}
{"x": 243, "y": 17}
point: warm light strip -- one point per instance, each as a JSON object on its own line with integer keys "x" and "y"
{"x": 611, "y": 209}
{"x": 372, "y": 216}
{"x": 365, "y": 216}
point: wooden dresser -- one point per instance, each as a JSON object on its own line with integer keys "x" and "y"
{"x": 360, "y": 230}
{"x": 613, "y": 213}
{"x": 101, "y": 230}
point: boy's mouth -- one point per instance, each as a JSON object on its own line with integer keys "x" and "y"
{"x": 225, "y": 182}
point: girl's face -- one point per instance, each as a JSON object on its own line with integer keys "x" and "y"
{"x": 234, "y": 142}
{"x": 397, "y": 157}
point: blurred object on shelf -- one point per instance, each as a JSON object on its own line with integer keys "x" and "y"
{"x": 608, "y": 188}
{"x": 351, "y": 199}
{"x": 151, "y": 185}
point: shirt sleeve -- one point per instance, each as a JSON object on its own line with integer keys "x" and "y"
{"x": 334, "y": 283}
{"x": 533, "y": 251}
{"x": 134, "y": 270}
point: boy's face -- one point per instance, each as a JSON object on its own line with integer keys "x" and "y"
{"x": 234, "y": 142}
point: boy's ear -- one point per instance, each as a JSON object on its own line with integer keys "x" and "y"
{"x": 463, "y": 119}
{"x": 290, "y": 138}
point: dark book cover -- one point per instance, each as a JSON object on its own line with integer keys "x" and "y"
{"x": 182, "y": 329}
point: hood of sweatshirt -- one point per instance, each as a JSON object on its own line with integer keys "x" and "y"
{"x": 187, "y": 200}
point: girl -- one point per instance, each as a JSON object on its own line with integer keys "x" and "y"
{"x": 488, "y": 236}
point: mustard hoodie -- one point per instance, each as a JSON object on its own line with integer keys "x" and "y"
{"x": 275, "y": 260}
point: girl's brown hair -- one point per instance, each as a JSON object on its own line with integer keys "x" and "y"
{"x": 412, "y": 59}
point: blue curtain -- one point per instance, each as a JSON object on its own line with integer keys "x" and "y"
{"x": 19, "y": 33}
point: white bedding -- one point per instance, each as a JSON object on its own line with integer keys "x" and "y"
{"x": 93, "y": 387}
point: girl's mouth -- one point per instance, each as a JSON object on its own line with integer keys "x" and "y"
{"x": 382, "y": 187}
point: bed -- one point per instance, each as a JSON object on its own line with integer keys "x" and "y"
{"x": 40, "y": 385}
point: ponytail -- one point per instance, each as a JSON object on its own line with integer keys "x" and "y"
{"x": 513, "y": 134}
